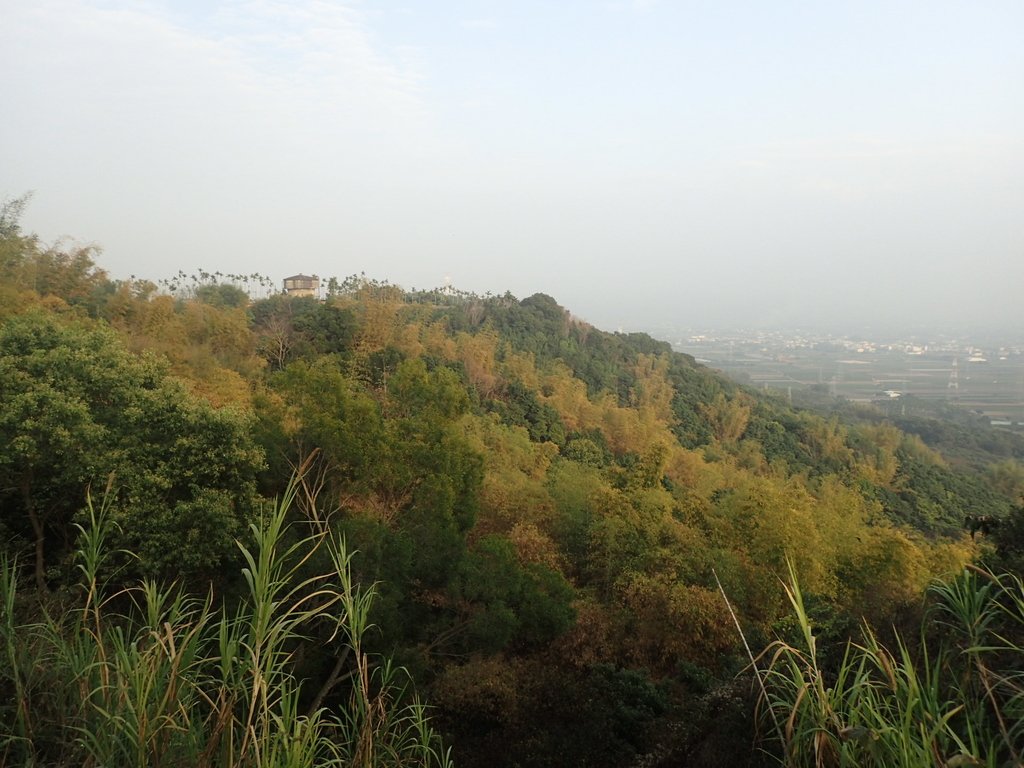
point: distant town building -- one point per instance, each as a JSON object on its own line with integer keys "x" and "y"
{"x": 302, "y": 285}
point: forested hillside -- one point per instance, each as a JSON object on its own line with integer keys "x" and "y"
{"x": 543, "y": 511}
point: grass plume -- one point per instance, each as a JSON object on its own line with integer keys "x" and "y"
{"x": 954, "y": 698}
{"x": 148, "y": 675}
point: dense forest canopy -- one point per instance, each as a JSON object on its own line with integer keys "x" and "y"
{"x": 550, "y": 517}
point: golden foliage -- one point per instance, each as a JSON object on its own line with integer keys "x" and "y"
{"x": 514, "y": 473}
{"x": 827, "y": 440}
{"x": 222, "y": 387}
{"x": 436, "y": 341}
{"x": 520, "y": 366}
{"x": 378, "y": 322}
{"x": 653, "y": 389}
{"x": 914, "y": 446}
{"x": 676, "y": 621}
{"x": 728, "y": 417}
{"x": 482, "y": 687}
{"x": 597, "y": 636}
{"x": 408, "y": 340}
{"x": 879, "y": 463}
{"x": 568, "y": 395}
{"x": 14, "y": 301}
{"x": 631, "y": 430}
{"x": 477, "y": 354}
{"x": 533, "y": 546}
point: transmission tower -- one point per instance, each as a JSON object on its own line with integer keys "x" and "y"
{"x": 953, "y": 388}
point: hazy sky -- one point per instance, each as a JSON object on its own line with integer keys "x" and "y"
{"x": 646, "y": 163}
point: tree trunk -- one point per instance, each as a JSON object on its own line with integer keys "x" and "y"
{"x": 38, "y": 530}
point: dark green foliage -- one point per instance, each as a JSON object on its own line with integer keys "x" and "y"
{"x": 961, "y": 435}
{"x": 326, "y": 327}
{"x": 76, "y": 408}
{"x": 379, "y": 366}
{"x": 639, "y": 471}
{"x": 595, "y": 717}
{"x": 1008, "y": 535}
{"x": 507, "y": 602}
{"x": 572, "y": 487}
{"x": 405, "y": 481}
{"x": 436, "y": 395}
{"x": 780, "y": 433}
{"x": 591, "y": 450}
{"x": 936, "y": 499}
{"x": 714, "y": 726}
{"x": 426, "y": 455}
{"x": 695, "y": 386}
{"x": 520, "y": 407}
{"x": 297, "y": 327}
{"x": 329, "y": 413}
{"x": 539, "y": 325}
{"x": 222, "y": 295}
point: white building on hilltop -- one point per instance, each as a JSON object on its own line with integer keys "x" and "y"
{"x": 302, "y": 285}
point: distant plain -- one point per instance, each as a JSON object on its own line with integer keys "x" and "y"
{"x": 992, "y": 386}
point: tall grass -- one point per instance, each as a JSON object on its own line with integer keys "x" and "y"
{"x": 953, "y": 698}
{"x": 148, "y": 676}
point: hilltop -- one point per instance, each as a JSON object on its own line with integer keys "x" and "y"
{"x": 552, "y": 513}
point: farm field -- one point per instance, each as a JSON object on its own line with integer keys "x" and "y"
{"x": 988, "y": 384}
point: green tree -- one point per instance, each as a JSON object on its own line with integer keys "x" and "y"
{"x": 325, "y": 411}
{"x": 222, "y": 295}
{"x": 77, "y": 408}
{"x": 290, "y": 327}
{"x": 508, "y": 602}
